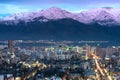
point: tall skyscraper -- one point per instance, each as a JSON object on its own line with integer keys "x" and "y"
{"x": 10, "y": 44}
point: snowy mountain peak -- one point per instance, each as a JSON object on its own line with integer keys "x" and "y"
{"x": 104, "y": 15}
{"x": 54, "y": 13}
{"x": 51, "y": 13}
{"x": 55, "y": 9}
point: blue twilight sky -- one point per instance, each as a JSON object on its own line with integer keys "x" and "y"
{"x": 8, "y": 7}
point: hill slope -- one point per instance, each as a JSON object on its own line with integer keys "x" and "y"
{"x": 61, "y": 29}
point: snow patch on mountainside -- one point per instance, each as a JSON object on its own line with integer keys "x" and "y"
{"x": 51, "y": 13}
{"x": 102, "y": 16}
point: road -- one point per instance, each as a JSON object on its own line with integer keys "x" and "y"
{"x": 103, "y": 71}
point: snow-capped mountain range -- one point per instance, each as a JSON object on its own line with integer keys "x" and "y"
{"x": 102, "y": 16}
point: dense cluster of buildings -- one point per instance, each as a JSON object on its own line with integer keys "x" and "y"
{"x": 76, "y": 62}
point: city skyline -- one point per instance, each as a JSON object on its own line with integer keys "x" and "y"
{"x": 11, "y": 7}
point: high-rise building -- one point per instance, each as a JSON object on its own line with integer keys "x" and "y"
{"x": 10, "y": 44}
{"x": 11, "y": 47}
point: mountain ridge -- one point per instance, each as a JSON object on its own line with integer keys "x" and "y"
{"x": 58, "y": 24}
{"x": 103, "y": 16}
{"x": 62, "y": 29}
